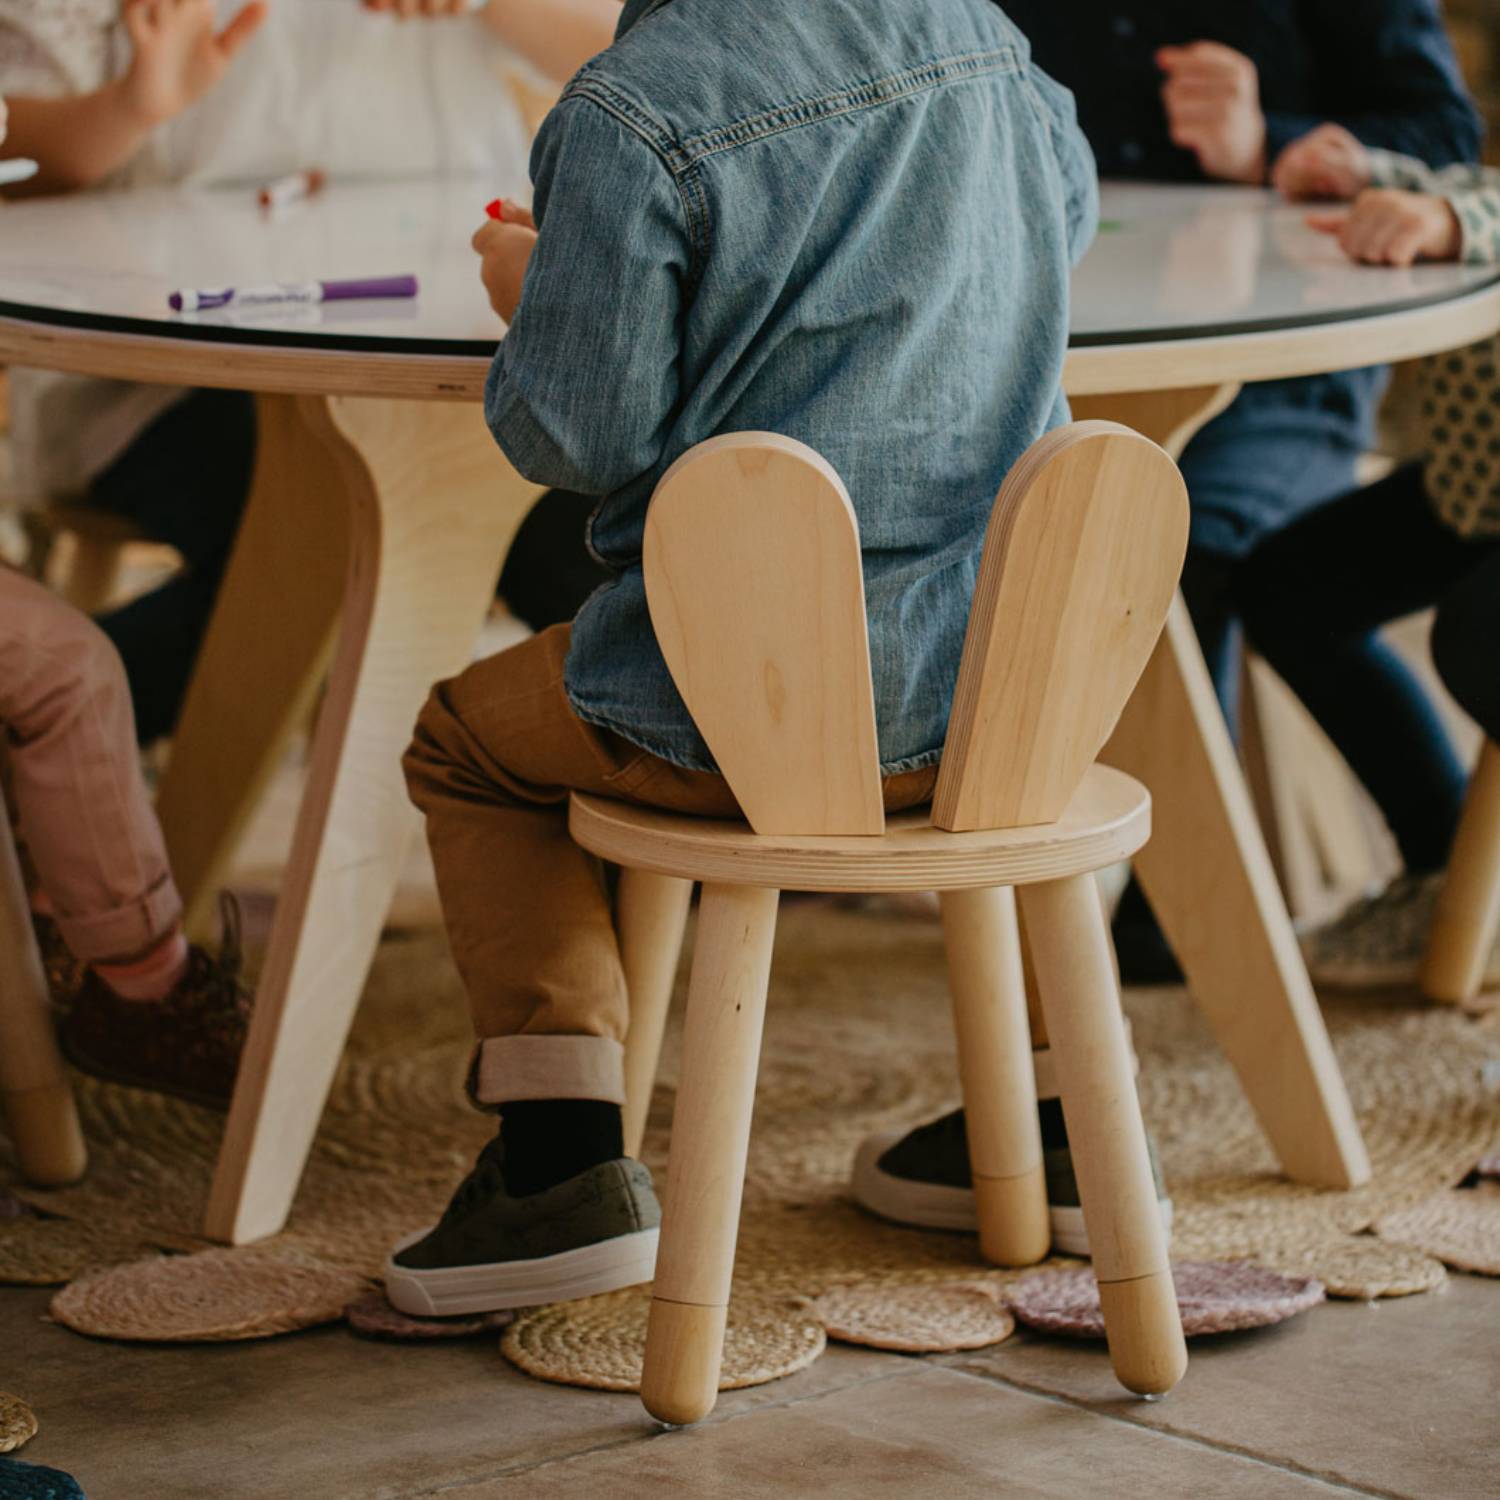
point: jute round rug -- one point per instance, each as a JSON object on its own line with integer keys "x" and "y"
{"x": 858, "y": 1039}
{"x": 17, "y": 1423}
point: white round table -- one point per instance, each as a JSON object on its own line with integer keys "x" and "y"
{"x": 381, "y": 510}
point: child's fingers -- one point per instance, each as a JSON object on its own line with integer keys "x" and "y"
{"x": 1326, "y": 223}
{"x": 244, "y": 25}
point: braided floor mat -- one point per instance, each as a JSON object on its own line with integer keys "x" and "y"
{"x": 858, "y": 1039}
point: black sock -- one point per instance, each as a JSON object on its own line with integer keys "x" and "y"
{"x": 548, "y": 1141}
{"x": 1054, "y": 1132}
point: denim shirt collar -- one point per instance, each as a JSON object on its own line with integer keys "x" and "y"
{"x": 636, "y": 10}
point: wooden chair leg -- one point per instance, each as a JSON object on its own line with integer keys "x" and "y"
{"x": 38, "y": 1098}
{"x": 710, "y": 1138}
{"x": 1092, "y": 1056}
{"x": 1467, "y": 918}
{"x": 995, "y": 1067}
{"x": 650, "y": 917}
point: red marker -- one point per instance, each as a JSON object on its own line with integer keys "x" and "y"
{"x": 496, "y": 210}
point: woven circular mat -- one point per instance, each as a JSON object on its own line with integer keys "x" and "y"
{"x": 601, "y": 1342}
{"x": 858, "y": 1039}
{"x": 1212, "y": 1296}
{"x": 213, "y": 1297}
{"x": 373, "y": 1317}
{"x": 46, "y": 1252}
{"x": 1461, "y": 1227}
{"x": 17, "y": 1423}
{"x": 21, "y": 1481}
{"x": 916, "y": 1319}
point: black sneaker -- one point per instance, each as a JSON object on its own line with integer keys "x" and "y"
{"x": 595, "y": 1232}
{"x": 921, "y": 1177}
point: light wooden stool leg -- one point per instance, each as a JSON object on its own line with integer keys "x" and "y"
{"x": 995, "y": 1066}
{"x": 1092, "y": 1055}
{"x": 710, "y": 1138}
{"x": 429, "y": 524}
{"x": 1467, "y": 918}
{"x": 39, "y": 1109}
{"x": 650, "y": 917}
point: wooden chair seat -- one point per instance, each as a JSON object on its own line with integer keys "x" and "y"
{"x": 1107, "y": 820}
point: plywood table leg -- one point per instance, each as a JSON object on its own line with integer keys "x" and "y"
{"x": 428, "y": 520}
{"x": 264, "y": 656}
{"x": 1209, "y": 880}
{"x": 1468, "y": 909}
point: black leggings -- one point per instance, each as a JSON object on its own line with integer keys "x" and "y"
{"x": 184, "y": 481}
{"x": 1313, "y": 598}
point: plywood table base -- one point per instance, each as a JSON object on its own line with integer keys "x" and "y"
{"x": 419, "y": 490}
{"x": 1209, "y": 878}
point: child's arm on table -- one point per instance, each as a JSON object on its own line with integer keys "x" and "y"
{"x": 583, "y": 389}
{"x": 556, "y": 36}
{"x": 177, "y": 57}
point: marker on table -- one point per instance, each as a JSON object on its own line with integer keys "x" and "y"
{"x": 291, "y": 188}
{"x": 17, "y": 169}
{"x": 292, "y": 293}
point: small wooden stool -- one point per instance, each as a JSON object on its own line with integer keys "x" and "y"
{"x": 1467, "y": 919}
{"x": 755, "y": 585}
{"x": 38, "y": 1100}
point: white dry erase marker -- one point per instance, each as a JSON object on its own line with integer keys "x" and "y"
{"x": 291, "y": 293}
{"x": 17, "y": 169}
{"x": 291, "y": 188}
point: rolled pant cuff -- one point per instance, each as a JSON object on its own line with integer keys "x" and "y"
{"x": 127, "y": 931}
{"x": 512, "y": 1068}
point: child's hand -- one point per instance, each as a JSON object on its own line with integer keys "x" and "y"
{"x": 178, "y": 57}
{"x": 1327, "y": 162}
{"x": 504, "y": 247}
{"x": 404, "y": 9}
{"x": 1212, "y": 97}
{"x": 1386, "y": 227}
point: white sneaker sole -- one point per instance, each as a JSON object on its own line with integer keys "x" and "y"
{"x": 927, "y": 1205}
{"x": 626, "y": 1260}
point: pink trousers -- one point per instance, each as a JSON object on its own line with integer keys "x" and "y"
{"x": 75, "y": 778}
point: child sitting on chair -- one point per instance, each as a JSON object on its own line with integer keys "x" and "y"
{"x": 1315, "y": 595}
{"x": 850, "y": 223}
{"x": 151, "y": 1011}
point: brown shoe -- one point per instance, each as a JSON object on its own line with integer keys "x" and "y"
{"x": 64, "y": 972}
{"x": 188, "y": 1044}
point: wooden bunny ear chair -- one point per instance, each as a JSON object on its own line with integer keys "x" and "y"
{"x": 755, "y": 584}
{"x": 1085, "y": 547}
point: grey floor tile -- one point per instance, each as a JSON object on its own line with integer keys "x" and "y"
{"x": 1398, "y": 1397}
{"x": 318, "y": 1415}
{"x": 941, "y": 1436}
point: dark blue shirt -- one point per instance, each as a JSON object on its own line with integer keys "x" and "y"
{"x": 1383, "y": 68}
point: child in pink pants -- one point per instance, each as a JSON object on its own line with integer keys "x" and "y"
{"x": 150, "y": 1010}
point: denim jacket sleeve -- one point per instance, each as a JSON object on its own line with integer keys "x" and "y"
{"x": 584, "y": 384}
{"x": 1388, "y": 74}
{"x": 1075, "y": 160}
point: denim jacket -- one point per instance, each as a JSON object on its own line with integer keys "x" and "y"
{"x": 848, "y": 221}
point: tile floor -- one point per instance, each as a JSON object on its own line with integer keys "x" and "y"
{"x": 1395, "y": 1399}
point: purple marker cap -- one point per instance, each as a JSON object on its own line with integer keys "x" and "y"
{"x": 373, "y": 286}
